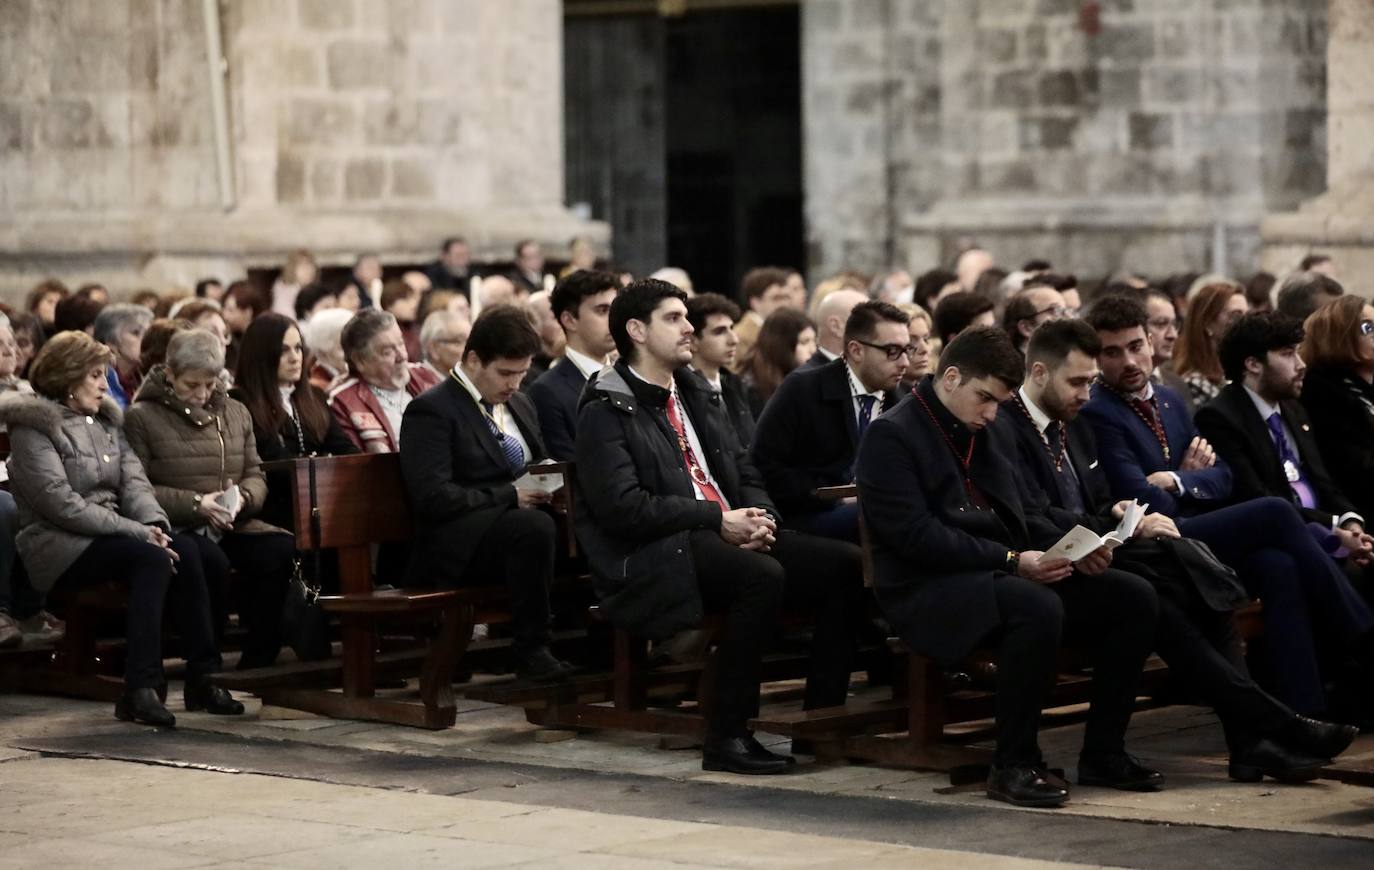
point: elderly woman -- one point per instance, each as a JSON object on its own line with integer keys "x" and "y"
{"x": 198, "y": 448}
{"x": 370, "y": 404}
{"x": 325, "y": 364}
{"x": 87, "y": 514}
{"x": 291, "y": 416}
{"x": 28, "y": 340}
{"x": 120, "y": 328}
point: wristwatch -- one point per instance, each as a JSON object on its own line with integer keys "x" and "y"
{"x": 195, "y": 503}
{"x": 1013, "y": 562}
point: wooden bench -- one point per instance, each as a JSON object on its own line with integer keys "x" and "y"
{"x": 79, "y": 664}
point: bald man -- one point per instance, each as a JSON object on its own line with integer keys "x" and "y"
{"x": 830, "y": 320}
{"x": 972, "y": 263}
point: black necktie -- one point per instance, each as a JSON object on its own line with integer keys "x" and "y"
{"x": 1071, "y": 497}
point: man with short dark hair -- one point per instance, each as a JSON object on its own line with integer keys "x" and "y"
{"x": 581, "y": 304}
{"x": 1261, "y": 429}
{"x": 763, "y": 291}
{"x": 463, "y": 446}
{"x": 714, "y": 346}
{"x": 959, "y": 311}
{"x": 675, "y": 523}
{"x": 811, "y": 427}
{"x": 1304, "y": 292}
{"x": 1028, "y": 308}
{"x": 1151, "y": 451}
{"x": 957, "y": 562}
{"x": 1321, "y": 263}
{"x": 528, "y": 274}
{"x": 453, "y": 269}
{"x": 1196, "y": 632}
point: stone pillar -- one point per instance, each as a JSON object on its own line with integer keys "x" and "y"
{"x": 1341, "y": 221}
{"x": 355, "y": 126}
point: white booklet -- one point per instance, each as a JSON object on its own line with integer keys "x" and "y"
{"x": 1080, "y": 541}
{"x": 550, "y": 480}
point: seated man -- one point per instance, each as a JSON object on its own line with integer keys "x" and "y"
{"x": 831, "y": 316}
{"x": 675, "y": 523}
{"x": 1196, "y": 632}
{"x": 714, "y": 345}
{"x": 957, "y": 563}
{"x": 463, "y": 445}
{"x": 1162, "y": 327}
{"x": 371, "y": 403}
{"x": 1261, "y": 430}
{"x": 581, "y": 303}
{"x": 811, "y": 428}
{"x": 1151, "y": 452}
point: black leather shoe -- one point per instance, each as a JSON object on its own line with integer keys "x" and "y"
{"x": 538, "y": 665}
{"x": 1266, "y": 758}
{"x": 1025, "y": 786}
{"x": 204, "y": 695}
{"x": 1319, "y": 739}
{"x": 142, "y": 705}
{"x": 1120, "y": 771}
{"x": 736, "y": 755}
{"x": 758, "y": 750}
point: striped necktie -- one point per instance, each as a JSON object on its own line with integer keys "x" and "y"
{"x": 514, "y": 453}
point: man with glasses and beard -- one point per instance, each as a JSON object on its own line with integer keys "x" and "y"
{"x": 810, "y": 430}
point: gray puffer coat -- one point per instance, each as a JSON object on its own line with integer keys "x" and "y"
{"x": 74, "y": 479}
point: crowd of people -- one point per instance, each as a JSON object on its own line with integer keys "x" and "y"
{"x": 991, "y": 418}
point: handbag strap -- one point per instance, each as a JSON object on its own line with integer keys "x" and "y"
{"x": 314, "y": 522}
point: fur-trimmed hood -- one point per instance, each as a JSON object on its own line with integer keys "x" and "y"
{"x": 36, "y": 412}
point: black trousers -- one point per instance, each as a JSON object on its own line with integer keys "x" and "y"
{"x": 518, "y": 550}
{"x": 820, "y": 576}
{"x": 248, "y": 574}
{"x": 151, "y": 583}
{"x": 1112, "y": 615}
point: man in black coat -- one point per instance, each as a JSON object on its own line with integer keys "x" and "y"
{"x": 810, "y": 429}
{"x": 581, "y": 304}
{"x": 714, "y": 347}
{"x": 675, "y": 522}
{"x": 464, "y": 443}
{"x": 453, "y": 270}
{"x": 1262, "y": 431}
{"x": 1196, "y": 632}
{"x": 957, "y": 562}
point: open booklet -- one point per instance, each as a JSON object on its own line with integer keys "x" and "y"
{"x": 545, "y": 480}
{"x": 1080, "y": 541}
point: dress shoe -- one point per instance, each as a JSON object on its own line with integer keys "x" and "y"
{"x": 1318, "y": 739}
{"x": 203, "y": 695}
{"x": 1025, "y": 786}
{"x": 1264, "y": 758}
{"x": 738, "y": 755}
{"x": 539, "y": 665}
{"x": 11, "y": 635}
{"x": 1118, "y": 770}
{"x": 142, "y": 705}
{"x": 758, "y": 750}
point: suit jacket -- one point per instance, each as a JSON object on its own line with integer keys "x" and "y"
{"x": 525, "y": 282}
{"x": 808, "y": 436}
{"x": 1131, "y": 452}
{"x": 935, "y": 553}
{"x": 555, "y": 395}
{"x": 1341, "y": 408}
{"x": 1232, "y": 424}
{"x": 816, "y": 360}
{"x": 1038, "y": 469}
{"x": 456, "y": 477}
{"x": 635, "y": 501}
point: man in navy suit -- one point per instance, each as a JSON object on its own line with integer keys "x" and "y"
{"x": 582, "y": 305}
{"x": 1196, "y": 629}
{"x": 1152, "y": 452}
{"x": 464, "y": 443}
{"x": 810, "y": 429}
{"x": 957, "y": 561}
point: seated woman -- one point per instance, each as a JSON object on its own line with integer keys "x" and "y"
{"x": 326, "y": 365}
{"x": 290, "y": 415}
{"x": 121, "y": 328}
{"x": 1211, "y": 311}
{"x": 11, "y": 632}
{"x": 786, "y": 340}
{"x": 198, "y": 448}
{"x": 87, "y": 514}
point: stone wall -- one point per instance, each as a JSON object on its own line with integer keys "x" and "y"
{"x": 1154, "y": 139}
{"x": 355, "y": 125}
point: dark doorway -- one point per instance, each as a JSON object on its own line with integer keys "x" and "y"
{"x": 685, "y": 134}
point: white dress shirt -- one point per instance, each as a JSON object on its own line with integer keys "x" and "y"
{"x": 856, "y": 389}
{"x": 504, "y": 421}
{"x": 830, "y": 357}
{"x": 585, "y": 364}
{"x": 1042, "y": 422}
{"x": 1266, "y": 411}
{"x": 693, "y": 443}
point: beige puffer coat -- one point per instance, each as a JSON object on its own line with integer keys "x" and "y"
{"x": 190, "y": 451}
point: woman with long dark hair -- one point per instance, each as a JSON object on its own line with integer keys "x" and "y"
{"x": 290, "y": 417}
{"x": 1211, "y": 311}
{"x": 786, "y": 340}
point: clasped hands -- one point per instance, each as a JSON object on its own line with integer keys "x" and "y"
{"x": 749, "y": 529}
{"x": 216, "y": 513}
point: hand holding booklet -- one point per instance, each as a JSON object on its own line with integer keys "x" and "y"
{"x": 1080, "y": 541}
{"x": 549, "y": 481}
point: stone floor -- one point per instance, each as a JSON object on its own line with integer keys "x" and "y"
{"x": 274, "y": 788}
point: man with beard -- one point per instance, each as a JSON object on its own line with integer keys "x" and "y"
{"x": 1195, "y": 632}
{"x": 676, "y": 523}
{"x": 714, "y": 346}
{"x": 1151, "y": 452}
{"x": 958, "y": 561}
{"x": 371, "y": 404}
{"x": 811, "y": 428}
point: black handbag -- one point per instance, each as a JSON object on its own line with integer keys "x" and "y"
{"x": 304, "y": 624}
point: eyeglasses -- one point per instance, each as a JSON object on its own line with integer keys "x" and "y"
{"x": 893, "y": 351}
{"x": 1056, "y": 310}
{"x": 1367, "y": 327}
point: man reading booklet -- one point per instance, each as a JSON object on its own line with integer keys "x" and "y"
{"x": 1081, "y": 541}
